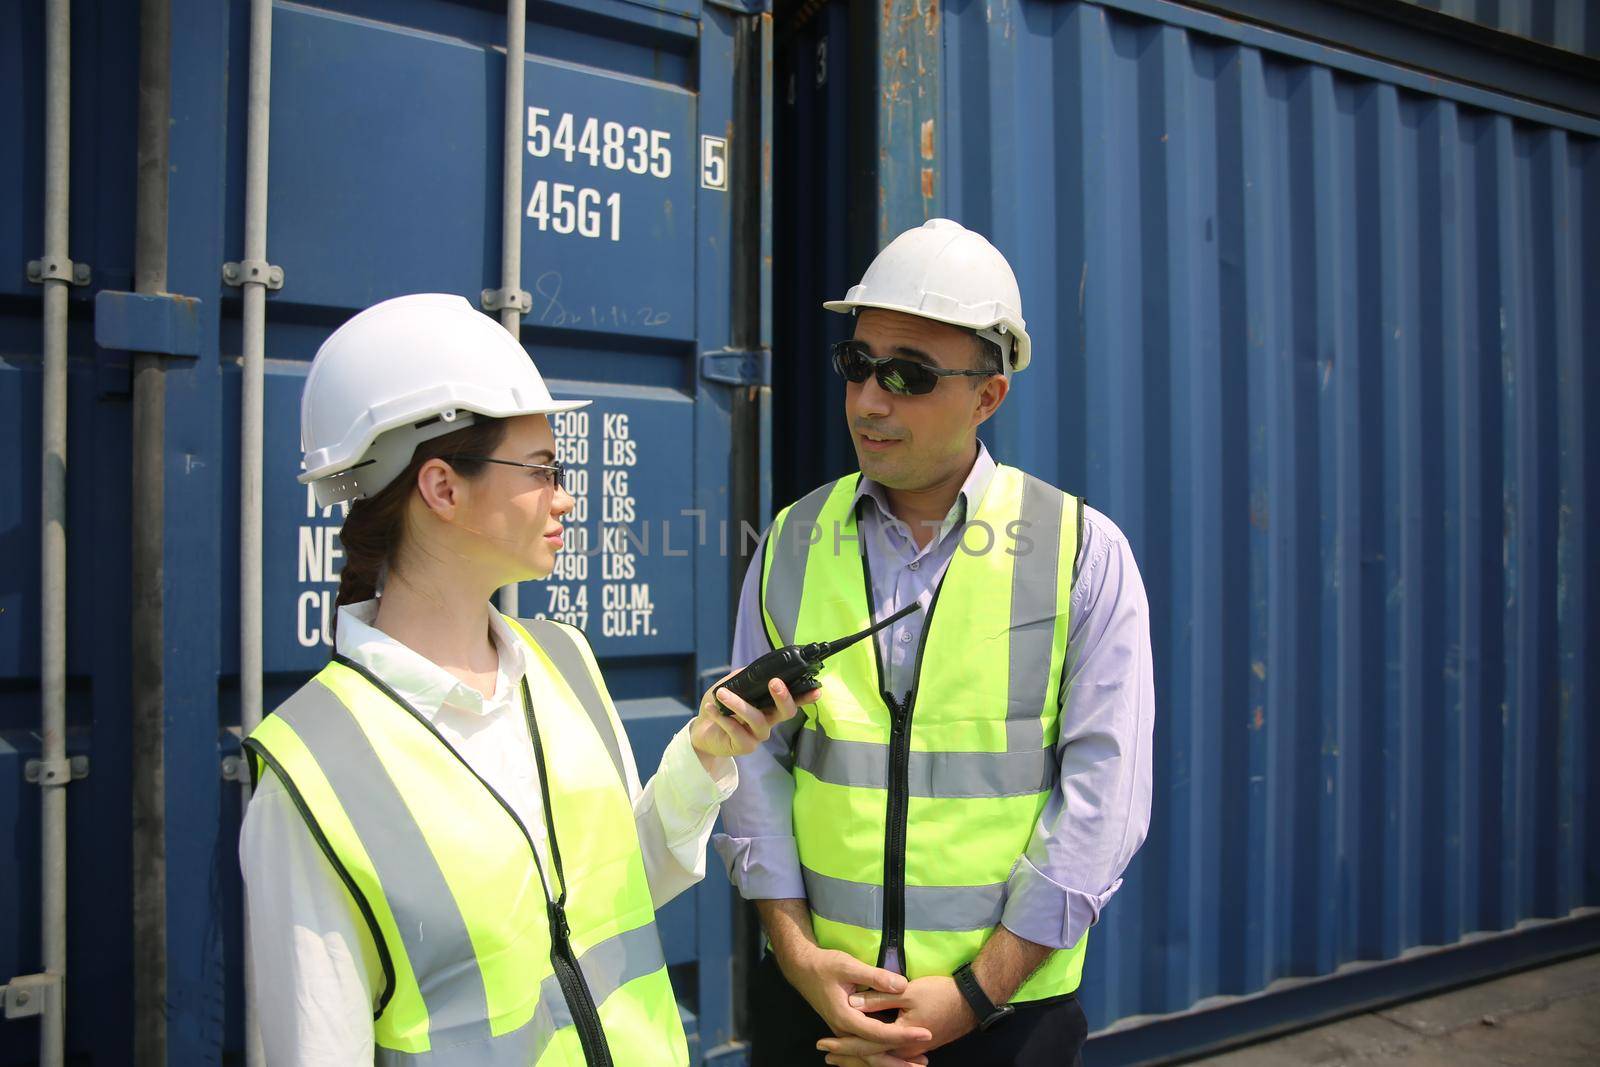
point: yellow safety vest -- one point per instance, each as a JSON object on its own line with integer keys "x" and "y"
{"x": 910, "y": 817}
{"x": 489, "y": 956}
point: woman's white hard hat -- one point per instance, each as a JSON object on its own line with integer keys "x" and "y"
{"x": 403, "y": 372}
{"x": 943, "y": 271}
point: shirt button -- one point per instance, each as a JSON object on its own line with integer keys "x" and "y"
{"x": 905, "y": 637}
{"x": 916, "y": 564}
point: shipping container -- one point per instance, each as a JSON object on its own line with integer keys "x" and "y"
{"x": 642, "y": 217}
{"x": 1321, "y": 334}
{"x": 1315, "y": 326}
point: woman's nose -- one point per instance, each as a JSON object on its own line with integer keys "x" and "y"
{"x": 561, "y": 502}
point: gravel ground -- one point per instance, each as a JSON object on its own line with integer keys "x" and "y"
{"x": 1550, "y": 1015}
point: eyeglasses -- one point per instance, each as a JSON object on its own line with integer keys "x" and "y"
{"x": 549, "y": 473}
{"x": 903, "y": 377}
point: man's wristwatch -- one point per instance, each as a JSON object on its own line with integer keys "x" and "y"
{"x": 984, "y": 1008}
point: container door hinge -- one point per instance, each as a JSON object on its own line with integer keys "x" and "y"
{"x": 164, "y": 323}
{"x": 56, "y": 772}
{"x": 27, "y": 995}
{"x": 519, "y": 300}
{"x": 57, "y": 269}
{"x": 253, "y": 271}
{"x": 236, "y": 769}
{"x": 733, "y": 366}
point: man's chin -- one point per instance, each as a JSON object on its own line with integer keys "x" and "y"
{"x": 885, "y": 472}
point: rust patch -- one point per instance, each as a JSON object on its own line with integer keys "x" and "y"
{"x": 927, "y": 183}
{"x": 927, "y": 139}
{"x": 930, "y": 20}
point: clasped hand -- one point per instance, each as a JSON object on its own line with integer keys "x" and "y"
{"x": 848, "y": 993}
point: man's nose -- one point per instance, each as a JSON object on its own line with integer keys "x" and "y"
{"x": 873, "y": 400}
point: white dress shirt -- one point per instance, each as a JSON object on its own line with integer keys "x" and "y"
{"x": 317, "y": 976}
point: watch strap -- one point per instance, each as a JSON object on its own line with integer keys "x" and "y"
{"x": 985, "y": 1009}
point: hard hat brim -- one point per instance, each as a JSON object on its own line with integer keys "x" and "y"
{"x": 1021, "y": 344}
{"x": 487, "y": 410}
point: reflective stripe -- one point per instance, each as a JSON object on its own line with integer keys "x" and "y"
{"x": 865, "y": 765}
{"x": 440, "y": 950}
{"x": 933, "y": 908}
{"x": 607, "y": 967}
{"x": 788, "y": 574}
{"x": 563, "y": 650}
{"x": 520, "y": 1048}
{"x": 1034, "y": 593}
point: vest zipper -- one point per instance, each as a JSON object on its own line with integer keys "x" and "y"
{"x": 894, "y": 845}
{"x": 580, "y": 1002}
{"x": 898, "y": 803}
{"x": 574, "y": 990}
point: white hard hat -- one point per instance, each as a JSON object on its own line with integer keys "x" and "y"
{"x": 943, "y": 271}
{"x": 403, "y": 372}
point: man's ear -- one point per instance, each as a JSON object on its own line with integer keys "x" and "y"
{"x": 440, "y": 488}
{"x": 991, "y": 394}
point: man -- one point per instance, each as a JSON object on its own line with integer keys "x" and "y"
{"x": 929, "y": 845}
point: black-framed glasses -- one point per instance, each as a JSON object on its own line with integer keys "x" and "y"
{"x": 903, "y": 377}
{"x": 553, "y": 473}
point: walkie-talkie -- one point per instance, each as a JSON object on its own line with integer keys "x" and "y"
{"x": 795, "y": 665}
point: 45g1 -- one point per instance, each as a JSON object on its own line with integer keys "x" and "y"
{"x": 568, "y": 208}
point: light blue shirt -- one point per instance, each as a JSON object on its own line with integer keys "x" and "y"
{"x": 1097, "y": 816}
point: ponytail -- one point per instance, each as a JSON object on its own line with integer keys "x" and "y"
{"x": 374, "y": 528}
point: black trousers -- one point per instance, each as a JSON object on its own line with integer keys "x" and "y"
{"x": 785, "y": 1031}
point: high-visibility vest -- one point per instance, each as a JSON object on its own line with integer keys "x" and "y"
{"x": 911, "y": 817}
{"x": 488, "y": 955}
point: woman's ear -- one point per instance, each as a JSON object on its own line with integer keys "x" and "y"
{"x": 440, "y": 488}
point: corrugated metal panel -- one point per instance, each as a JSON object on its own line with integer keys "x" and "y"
{"x": 1572, "y": 25}
{"x": 385, "y": 178}
{"x": 1323, "y": 337}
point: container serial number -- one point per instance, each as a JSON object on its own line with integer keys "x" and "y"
{"x": 604, "y": 144}
{"x": 565, "y": 208}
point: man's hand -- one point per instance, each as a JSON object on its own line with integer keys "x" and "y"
{"x": 936, "y": 1003}
{"x": 879, "y": 1059}
{"x": 829, "y": 981}
{"x": 933, "y": 1004}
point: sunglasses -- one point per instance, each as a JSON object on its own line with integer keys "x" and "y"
{"x": 903, "y": 377}
{"x": 550, "y": 473}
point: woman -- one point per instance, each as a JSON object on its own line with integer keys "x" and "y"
{"x": 449, "y": 858}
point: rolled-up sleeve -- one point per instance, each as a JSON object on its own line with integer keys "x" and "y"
{"x": 1096, "y": 819}
{"x": 759, "y": 848}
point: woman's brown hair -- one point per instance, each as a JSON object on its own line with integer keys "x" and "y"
{"x": 375, "y": 527}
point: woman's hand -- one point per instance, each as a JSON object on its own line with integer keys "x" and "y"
{"x": 715, "y": 734}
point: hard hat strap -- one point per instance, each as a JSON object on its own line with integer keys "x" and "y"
{"x": 1003, "y": 340}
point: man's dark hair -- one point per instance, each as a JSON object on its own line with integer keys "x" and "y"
{"x": 989, "y": 357}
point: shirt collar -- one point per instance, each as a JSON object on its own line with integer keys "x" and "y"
{"x": 424, "y": 684}
{"x": 966, "y": 502}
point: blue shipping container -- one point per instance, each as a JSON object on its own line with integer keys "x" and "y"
{"x": 1323, "y": 337}
{"x": 642, "y": 118}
